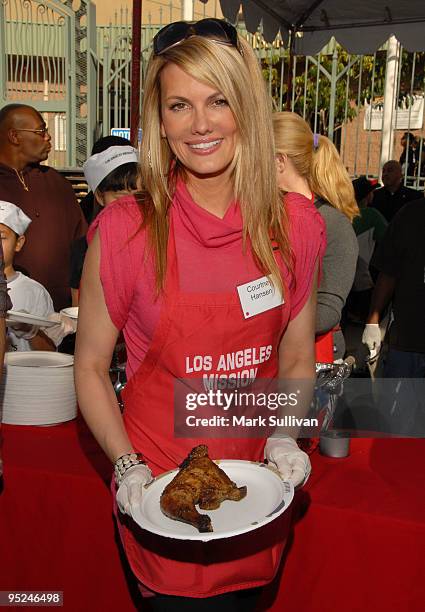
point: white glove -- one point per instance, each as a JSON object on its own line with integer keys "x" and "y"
{"x": 372, "y": 338}
{"x": 293, "y": 463}
{"x": 130, "y": 491}
{"x": 65, "y": 326}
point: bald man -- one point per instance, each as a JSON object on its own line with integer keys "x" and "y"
{"x": 393, "y": 195}
{"x": 44, "y": 195}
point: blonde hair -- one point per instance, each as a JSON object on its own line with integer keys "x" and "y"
{"x": 321, "y": 166}
{"x": 238, "y": 77}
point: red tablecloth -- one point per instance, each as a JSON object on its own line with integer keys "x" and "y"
{"x": 56, "y": 525}
{"x": 359, "y": 541}
{"x": 357, "y": 545}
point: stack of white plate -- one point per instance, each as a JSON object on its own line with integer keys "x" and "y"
{"x": 37, "y": 388}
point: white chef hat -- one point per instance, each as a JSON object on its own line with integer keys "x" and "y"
{"x": 98, "y": 166}
{"x": 14, "y": 217}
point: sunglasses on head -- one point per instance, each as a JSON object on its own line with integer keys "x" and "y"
{"x": 217, "y": 30}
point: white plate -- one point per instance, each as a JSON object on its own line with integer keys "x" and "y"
{"x": 14, "y": 316}
{"x": 37, "y": 388}
{"x": 71, "y": 312}
{"x": 268, "y": 496}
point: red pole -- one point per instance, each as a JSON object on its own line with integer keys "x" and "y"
{"x": 136, "y": 49}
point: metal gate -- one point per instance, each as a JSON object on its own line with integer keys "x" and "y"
{"x": 44, "y": 51}
{"x": 364, "y": 103}
{"x": 113, "y": 60}
{"x": 53, "y": 57}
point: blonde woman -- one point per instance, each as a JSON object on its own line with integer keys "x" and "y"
{"x": 166, "y": 268}
{"x": 310, "y": 170}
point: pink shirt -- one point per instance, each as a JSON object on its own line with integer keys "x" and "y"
{"x": 210, "y": 258}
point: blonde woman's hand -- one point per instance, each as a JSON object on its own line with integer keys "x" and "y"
{"x": 286, "y": 456}
{"x": 130, "y": 491}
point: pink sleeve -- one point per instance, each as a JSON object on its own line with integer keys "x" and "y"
{"x": 308, "y": 241}
{"x": 121, "y": 255}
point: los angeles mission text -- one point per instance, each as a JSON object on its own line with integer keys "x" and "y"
{"x": 223, "y": 382}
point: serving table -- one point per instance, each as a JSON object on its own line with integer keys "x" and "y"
{"x": 56, "y": 525}
{"x": 357, "y": 543}
{"x": 359, "y": 537}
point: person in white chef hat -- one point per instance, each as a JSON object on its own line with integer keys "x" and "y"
{"x": 112, "y": 173}
{"x": 27, "y": 295}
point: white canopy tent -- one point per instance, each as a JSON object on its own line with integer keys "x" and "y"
{"x": 361, "y": 26}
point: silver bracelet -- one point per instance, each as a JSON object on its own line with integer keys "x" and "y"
{"x": 124, "y": 463}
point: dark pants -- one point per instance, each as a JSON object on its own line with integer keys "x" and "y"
{"x": 404, "y": 364}
{"x": 236, "y": 601}
{"x": 402, "y": 392}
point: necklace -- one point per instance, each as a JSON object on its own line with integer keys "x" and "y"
{"x": 21, "y": 179}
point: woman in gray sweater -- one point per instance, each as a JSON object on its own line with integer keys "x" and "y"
{"x": 310, "y": 171}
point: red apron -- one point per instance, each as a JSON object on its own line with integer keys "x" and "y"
{"x": 324, "y": 346}
{"x": 193, "y": 324}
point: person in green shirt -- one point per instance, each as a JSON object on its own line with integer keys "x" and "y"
{"x": 369, "y": 228}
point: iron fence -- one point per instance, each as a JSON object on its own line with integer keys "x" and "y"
{"x": 43, "y": 62}
{"x": 53, "y": 57}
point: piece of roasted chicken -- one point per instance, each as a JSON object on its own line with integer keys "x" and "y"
{"x": 199, "y": 481}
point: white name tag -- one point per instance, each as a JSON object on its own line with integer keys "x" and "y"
{"x": 258, "y": 296}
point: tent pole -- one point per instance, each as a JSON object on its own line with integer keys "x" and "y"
{"x": 289, "y": 81}
{"x": 135, "y": 71}
{"x": 390, "y": 93}
{"x": 334, "y": 78}
{"x": 187, "y": 9}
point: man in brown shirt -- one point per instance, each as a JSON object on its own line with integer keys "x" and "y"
{"x": 44, "y": 195}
